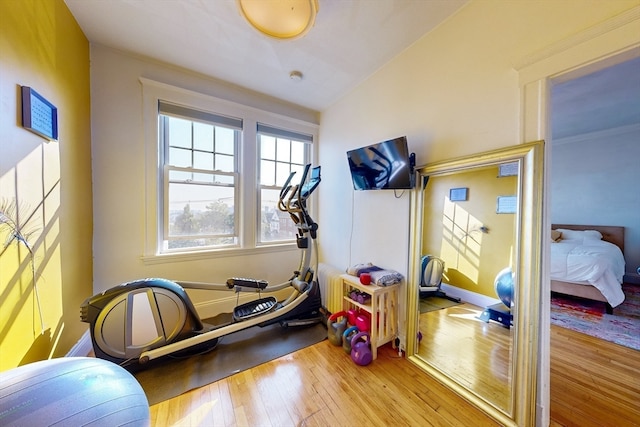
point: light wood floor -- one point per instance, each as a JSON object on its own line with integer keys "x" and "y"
{"x": 475, "y": 353}
{"x": 593, "y": 383}
{"x": 321, "y": 386}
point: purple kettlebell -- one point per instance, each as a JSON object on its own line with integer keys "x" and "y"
{"x": 361, "y": 350}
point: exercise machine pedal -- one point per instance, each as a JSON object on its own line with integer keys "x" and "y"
{"x": 246, "y": 283}
{"x": 254, "y": 308}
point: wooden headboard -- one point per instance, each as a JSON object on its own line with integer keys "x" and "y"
{"x": 610, "y": 233}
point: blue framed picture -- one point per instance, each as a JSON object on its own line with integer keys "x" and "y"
{"x": 39, "y": 115}
{"x": 458, "y": 194}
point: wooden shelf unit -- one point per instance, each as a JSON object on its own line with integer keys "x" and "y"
{"x": 383, "y": 306}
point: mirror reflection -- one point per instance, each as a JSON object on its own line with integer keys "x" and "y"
{"x": 473, "y": 304}
{"x": 467, "y": 263}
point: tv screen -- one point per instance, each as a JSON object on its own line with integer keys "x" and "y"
{"x": 386, "y": 165}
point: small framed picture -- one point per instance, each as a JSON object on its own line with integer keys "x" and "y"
{"x": 458, "y": 194}
{"x": 507, "y": 204}
{"x": 39, "y": 115}
{"x": 508, "y": 169}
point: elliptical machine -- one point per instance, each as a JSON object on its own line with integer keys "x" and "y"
{"x": 146, "y": 319}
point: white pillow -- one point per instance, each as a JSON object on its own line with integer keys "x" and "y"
{"x": 580, "y": 234}
{"x": 592, "y": 235}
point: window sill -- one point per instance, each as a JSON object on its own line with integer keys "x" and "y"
{"x": 213, "y": 254}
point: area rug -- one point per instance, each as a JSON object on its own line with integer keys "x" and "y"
{"x": 428, "y": 304}
{"x": 589, "y": 317}
{"x": 168, "y": 378}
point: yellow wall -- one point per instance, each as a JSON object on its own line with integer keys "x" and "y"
{"x": 451, "y": 230}
{"x": 454, "y": 92}
{"x": 42, "y": 46}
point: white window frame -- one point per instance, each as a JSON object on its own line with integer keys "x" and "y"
{"x": 248, "y": 157}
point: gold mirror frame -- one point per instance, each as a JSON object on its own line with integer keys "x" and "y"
{"x": 524, "y": 363}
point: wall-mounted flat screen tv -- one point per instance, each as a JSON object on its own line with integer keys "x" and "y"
{"x": 386, "y": 165}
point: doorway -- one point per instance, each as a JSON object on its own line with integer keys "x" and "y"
{"x": 594, "y": 126}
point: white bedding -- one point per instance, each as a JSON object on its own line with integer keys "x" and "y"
{"x": 593, "y": 261}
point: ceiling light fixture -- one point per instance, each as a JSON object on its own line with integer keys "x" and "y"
{"x": 280, "y": 19}
{"x": 295, "y": 75}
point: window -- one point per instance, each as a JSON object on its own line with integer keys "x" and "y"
{"x": 200, "y": 178}
{"x": 213, "y": 173}
{"x": 281, "y": 152}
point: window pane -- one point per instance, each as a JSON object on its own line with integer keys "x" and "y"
{"x": 202, "y": 160}
{"x": 179, "y": 132}
{"x": 282, "y": 173}
{"x": 224, "y": 163}
{"x": 298, "y": 170}
{"x": 297, "y": 152}
{"x": 180, "y": 176}
{"x": 180, "y": 157}
{"x": 203, "y": 178}
{"x": 204, "y": 243}
{"x": 200, "y": 178}
{"x": 224, "y": 180}
{"x": 267, "y": 172}
{"x": 218, "y": 217}
{"x": 267, "y": 147}
{"x": 225, "y": 140}
{"x": 275, "y": 225}
{"x": 283, "y": 150}
{"x": 202, "y": 137}
{"x": 200, "y": 210}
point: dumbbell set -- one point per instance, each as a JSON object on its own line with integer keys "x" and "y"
{"x": 360, "y": 297}
{"x": 350, "y": 329}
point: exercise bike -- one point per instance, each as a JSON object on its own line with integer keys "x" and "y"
{"x": 146, "y": 319}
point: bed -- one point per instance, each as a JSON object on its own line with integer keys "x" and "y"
{"x": 586, "y": 265}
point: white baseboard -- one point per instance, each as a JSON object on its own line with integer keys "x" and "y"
{"x": 83, "y": 347}
{"x": 207, "y": 309}
{"x": 468, "y": 296}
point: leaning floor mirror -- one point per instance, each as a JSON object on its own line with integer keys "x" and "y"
{"x": 473, "y": 299}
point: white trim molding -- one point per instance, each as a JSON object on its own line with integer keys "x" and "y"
{"x": 611, "y": 42}
{"x": 601, "y": 29}
{"x": 83, "y": 347}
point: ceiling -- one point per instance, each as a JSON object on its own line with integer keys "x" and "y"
{"x": 351, "y": 39}
{"x": 605, "y": 99}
